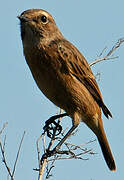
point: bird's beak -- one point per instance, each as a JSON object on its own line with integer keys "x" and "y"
{"x": 23, "y": 18}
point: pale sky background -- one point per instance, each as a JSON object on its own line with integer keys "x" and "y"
{"x": 90, "y": 26}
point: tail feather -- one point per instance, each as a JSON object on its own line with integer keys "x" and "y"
{"x": 107, "y": 153}
{"x": 106, "y": 112}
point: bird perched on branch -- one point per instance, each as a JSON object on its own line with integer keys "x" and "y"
{"x": 63, "y": 75}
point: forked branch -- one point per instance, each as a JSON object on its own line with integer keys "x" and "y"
{"x": 2, "y": 148}
{"x": 108, "y": 56}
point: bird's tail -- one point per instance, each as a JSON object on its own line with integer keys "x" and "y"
{"x": 106, "y": 111}
{"x": 106, "y": 151}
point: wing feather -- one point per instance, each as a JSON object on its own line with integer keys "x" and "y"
{"x": 78, "y": 67}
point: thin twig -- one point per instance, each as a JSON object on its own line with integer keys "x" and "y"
{"x": 101, "y": 53}
{"x": 2, "y": 147}
{"x": 38, "y": 149}
{"x": 102, "y": 59}
{"x": 17, "y": 156}
{"x": 50, "y": 169}
{"x": 68, "y": 158}
{"x": 116, "y": 46}
{"x": 4, "y": 143}
{"x": 5, "y": 162}
{"x": 107, "y": 56}
{"x": 4, "y": 125}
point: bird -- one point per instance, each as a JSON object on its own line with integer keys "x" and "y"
{"x": 64, "y": 76}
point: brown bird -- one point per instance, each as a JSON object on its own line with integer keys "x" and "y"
{"x": 63, "y": 75}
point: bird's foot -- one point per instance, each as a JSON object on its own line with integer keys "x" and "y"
{"x": 52, "y": 127}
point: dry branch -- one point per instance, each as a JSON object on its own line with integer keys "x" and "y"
{"x": 108, "y": 56}
{"x": 2, "y": 148}
{"x": 48, "y": 160}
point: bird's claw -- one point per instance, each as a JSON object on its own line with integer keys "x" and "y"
{"x": 52, "y": 128}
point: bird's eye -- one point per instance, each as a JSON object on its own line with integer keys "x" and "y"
{"x": 44, "y": 19}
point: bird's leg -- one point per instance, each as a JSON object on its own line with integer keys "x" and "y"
{"x": 64, "y": 138}
{"x": 75, "y": 122}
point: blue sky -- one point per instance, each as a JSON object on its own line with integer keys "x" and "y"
{"x": 90, "y": 26}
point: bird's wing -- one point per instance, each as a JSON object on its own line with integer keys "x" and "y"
{"x": 78, "y": 67}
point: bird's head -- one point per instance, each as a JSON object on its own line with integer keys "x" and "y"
{"x": 38, "y": 23}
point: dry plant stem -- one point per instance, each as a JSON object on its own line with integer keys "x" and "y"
{"x": 17, "y": 156}
{"x": 38, "y": 150}
{"x": 73, "y": 155}
{"x": 107, "y": 57}
{"x": 2, "y": 147}
{"x": 74, "y": 147}
{"x": 50, "y": 169}
{"x": 102, "y": 59}
{"x": 42, "y": 169}
{"x": 43, "y": 165}
{"x": 4, "y": 125}
{"x": 5, "y": 162}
